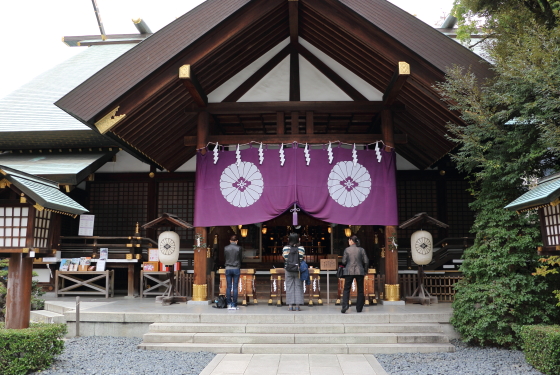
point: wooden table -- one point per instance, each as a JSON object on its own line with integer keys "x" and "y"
{"x": 156, "y": 277}
{"x": 369, "y": 289}
{"x": 246, "y": 287}
{"x": 108, "y": 277}
{"x": 132, "y": 266}
{"x": 278, "y": 287}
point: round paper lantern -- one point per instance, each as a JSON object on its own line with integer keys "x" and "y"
{"x": 421, "y": 245}
{"x": 168, "y": 246}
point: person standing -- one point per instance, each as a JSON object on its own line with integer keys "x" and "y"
{"x": 356, "y": 263}
{"x": 293, "y": 255}
{"x": 234, "y": 255}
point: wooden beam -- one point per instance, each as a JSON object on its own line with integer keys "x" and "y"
{"x": 280, "y": 123}
{"x": 187, "y": 76}
{"x": 289, "y": 138}
{"x": 330, "y": 74}
{"x": 397, "y": 81}
{"x": 387, "y": 128}
{"x": 202, "y": 131}
{"x": 309, "y": 123}
{"x": 295, "y": 123}
{"x": 293, "y": 6}
{"x": 294, "y": 76}
{"x": 274, "y": 107}
{"x": 257, "y": 76}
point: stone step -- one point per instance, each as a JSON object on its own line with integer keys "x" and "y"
{"x": 294, "y": 328}
{"x": 287, "y": 338}
{"x": 45, "y": 316}
{"x": 301, "y": 348}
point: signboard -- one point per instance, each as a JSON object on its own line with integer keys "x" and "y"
{"x": 86, "y": 225}
{"x": 329, "y": 264}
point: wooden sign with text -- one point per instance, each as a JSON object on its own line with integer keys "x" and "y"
{"x": 329, "y": 264}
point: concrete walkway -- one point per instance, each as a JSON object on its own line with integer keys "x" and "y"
{"x": 300, "y": 364}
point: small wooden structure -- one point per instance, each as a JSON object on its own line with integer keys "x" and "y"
{"x": 421, "y": 295}
{"x": 30, "y": 213}
{"x": 246, "y": 287}
{"x": 545, "y": 198}
{"x": 170, "y": 221}
{"x": 369, "y": 289}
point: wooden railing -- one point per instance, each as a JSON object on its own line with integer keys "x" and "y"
{"x": 440, "y": 286}
{"x": 185, "y": 281}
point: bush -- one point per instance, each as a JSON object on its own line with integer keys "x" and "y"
{"x": 541, "y": 345}
{"x": 30, "y": 349}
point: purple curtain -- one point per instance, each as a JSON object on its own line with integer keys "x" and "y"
{"x": 338, "y": 192}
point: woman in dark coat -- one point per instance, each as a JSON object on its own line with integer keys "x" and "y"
{"x": 356, "y": 264}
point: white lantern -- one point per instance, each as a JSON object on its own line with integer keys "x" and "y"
{"x": 168, "y": 246}
{"x": 421, "y": 245}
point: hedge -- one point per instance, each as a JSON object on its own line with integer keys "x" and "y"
{"x": 30, "y": 349}
{"x": 541, "y": 345}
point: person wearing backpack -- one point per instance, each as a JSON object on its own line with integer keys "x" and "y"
{"x": 234, "y": 255}
{"x": 356, "y": 264}
{"x": 293, "y": 255}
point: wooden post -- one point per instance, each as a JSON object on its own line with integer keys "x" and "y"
{"x": 18, "y": 299}
{"x": 199, "y": 283}
{"x": 392, "y": 292}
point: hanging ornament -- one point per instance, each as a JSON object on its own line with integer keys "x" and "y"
{"x": 216, "y": 153}
{"x": 261, "y": 154}
{"x": 294, "y": 212}
{"x": 238, "y": 156}
{"x": 282, "y": 158}
{"x": 354, "y": 155}
{"x": 378, "y": 152}
{"x": 330, "y": 153}
{"x": 306, "y": 153}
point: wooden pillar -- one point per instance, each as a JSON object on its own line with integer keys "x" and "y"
{"x": 18, "y": 299}
{"x": 200, "y": 286}
{"x": 392, "y": 292}
{"x": 295, "y": 122}
{"x": 152, "y": 202}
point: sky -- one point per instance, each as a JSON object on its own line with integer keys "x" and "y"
{"x": 32, "y": 33}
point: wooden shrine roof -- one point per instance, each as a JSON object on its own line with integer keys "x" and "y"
{"x": 150, "y": 109}
{"x": 168, "y": 220}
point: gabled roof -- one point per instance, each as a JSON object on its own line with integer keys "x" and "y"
{"x": 42, "y": 191}
{"x": 168, "y": 220}
{"x": 546, "y": 192}
{"x": 142, "y": 95}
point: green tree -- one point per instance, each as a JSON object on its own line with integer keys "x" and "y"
{"x": 511, "y": 134}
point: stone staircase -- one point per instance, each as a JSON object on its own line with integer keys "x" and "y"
{"x": 309, "y": 333}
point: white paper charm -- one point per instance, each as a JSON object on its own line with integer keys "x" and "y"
{"x": 282, "y": 158}
{"x": 238, "y": 156}
{"x": 330, "y": 153}
{"x": 378, "y": 152}
{"x": 261, "y": 154}
{"x": 354, "y": 155}
{"x": 216, "y": 153}
{"x": 306, "y": 153}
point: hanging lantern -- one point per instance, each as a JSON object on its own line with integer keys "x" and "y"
{"x": 264, "y": 230}
{"x": 421, "y": 244}
{"x": 329, "y": 229}
{"x": 348, "y": 232}
{"x": 168, "y": 246}
{"x": 244, "y": 232}
{"x": 239, "y": 226}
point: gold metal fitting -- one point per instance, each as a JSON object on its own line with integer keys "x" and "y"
{"x": 392, "y": 292}
{"x": 199, "y": 292}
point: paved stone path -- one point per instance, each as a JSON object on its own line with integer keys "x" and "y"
{"x": 300, "y": 364}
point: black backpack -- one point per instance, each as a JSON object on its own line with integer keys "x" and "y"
{"x": 292, "y": 263}
{"x": 221, "y": 303}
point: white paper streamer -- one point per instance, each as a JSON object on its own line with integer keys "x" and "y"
{"x": 330, "y": 153}
{"x": 216, "y": 153}
{"x": 354, "y": 155}
{"x": 306, "y": 153}
{"x": 378, "y": 152}
{"x": 282, "y": 158}
{"x": 261, "y": 154}
{"x": 238, "y": 156}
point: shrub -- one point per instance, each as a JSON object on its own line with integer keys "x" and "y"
{"x": 541, "y": 345}
{"x": 30, "y": 349}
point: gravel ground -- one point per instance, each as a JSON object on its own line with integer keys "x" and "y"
{"x": 467, "y": 360}
{"x": 118, "y": 355}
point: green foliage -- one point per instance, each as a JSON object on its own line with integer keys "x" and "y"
{"x": 31, "y": 349}
{"x": 511, "y": 133}
{"x": 541, "y": 345}
{"x": 551, "y": 268}
{"x": 37, "y": 303}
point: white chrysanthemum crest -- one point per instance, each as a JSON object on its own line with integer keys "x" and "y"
{"x": 282, "y": 158}
{"x": 307, "y": 156}
{"x": 261, "y": 154}
{"x": 216, "y": 153}
{"x": 378, "y": 152}
{"x": 354, "y": 155}
{"x": 330, "y": 153}
{"x": 238, "y": 155}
